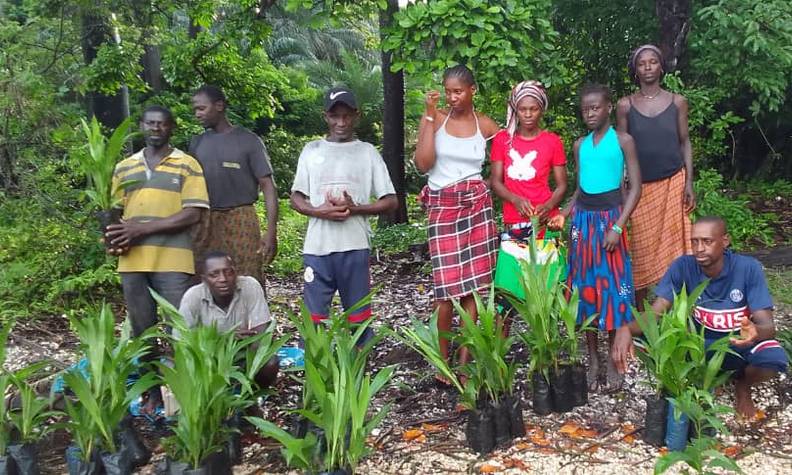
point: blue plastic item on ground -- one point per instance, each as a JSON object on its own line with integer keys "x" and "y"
{"x": 676, "y": 438}
{"x": 291, "y": 356}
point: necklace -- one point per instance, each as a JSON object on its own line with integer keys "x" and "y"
{"x": 647, "y": 96}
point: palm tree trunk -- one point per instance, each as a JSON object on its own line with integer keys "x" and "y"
{"x": 674, "y": 17}
{"x": 393, "y": 124}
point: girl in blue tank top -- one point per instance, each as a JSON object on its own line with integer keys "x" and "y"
{"x": 599, "y": 264}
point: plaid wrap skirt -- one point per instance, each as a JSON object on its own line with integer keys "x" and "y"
{"x": 463, "y": 241}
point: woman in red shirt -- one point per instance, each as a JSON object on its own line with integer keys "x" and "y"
{"x": 522, "y": 157}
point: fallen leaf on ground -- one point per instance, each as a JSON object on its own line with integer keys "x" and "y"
{"x": 629, "y": 433}
{"x": 538, "y": 438}
{"x": 569, "y": 428}
{"x": 421, "y": 289}
{"x": 522, "y": 446}
{"x": 732, "y": 451}
{"x": 760, "y": 415}
{"x": 414, "y": 435}
{"x": 516, "y": 463}
{"x": 573, "y": 430}
{"x": 662, "y": 450}
{"x": 487, "y": 468}
{"x": 592, "y": 449}
{"x": 432, "y": 427}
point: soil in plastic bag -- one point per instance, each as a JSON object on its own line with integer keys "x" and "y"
{"x": 218, "y": 463}
{"x": 579, "y": 386}
{"x": 655, "y": 420}
{"x": 480, "y": 430}
{"x": 676, "y": 435}
{"x": 563, "y": 394}
{"x": 78, "y": 466}
{"x": 542, "y": 396}
{"x": 106, "y": 218}
{"x": 516, "y": 417}
{"x": 26, "y": 458}
{"x": 502, "y": 415}
{"x": 117, "y": 463}
{"x": 8, "y": 466}
{"x": 128, "y": 439}
{"x": 234, "y": 446}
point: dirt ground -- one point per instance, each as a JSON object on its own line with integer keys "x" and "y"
{"x": 424, "y": 433}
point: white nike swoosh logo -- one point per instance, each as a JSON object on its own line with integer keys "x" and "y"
{"x": 336, "y": 94}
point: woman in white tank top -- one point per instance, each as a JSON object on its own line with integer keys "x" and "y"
{"x": 451, "y": 148}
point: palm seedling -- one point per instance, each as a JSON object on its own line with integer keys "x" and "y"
{"x": 98, "y": 163}
{"x": 29, "y": 418}
{"x": 424, "y": 339}
{"x": 490, "y": 377}
{"x": 488, "y": 348}
{"x": 103, "y": 398}
{"x": 539, "y": 310}
{"x": 701, "y": 454}
{"x": 337, "y": 395}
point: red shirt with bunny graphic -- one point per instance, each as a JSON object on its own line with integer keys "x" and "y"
{"x": 526, "y": 168}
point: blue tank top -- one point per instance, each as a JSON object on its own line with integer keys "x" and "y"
{"x": 601, "y": 165}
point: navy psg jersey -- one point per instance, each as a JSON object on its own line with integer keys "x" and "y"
{"x": 738, "y": 290}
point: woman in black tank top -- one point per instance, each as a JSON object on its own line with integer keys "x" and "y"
{"x": 658, "y": 122}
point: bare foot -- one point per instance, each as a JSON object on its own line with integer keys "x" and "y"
{"x": 742, "y": 400}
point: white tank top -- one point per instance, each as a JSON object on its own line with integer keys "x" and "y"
{"x": 456, "y": 158}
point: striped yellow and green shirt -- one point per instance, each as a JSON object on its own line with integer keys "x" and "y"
{"x": 177, "y": 182}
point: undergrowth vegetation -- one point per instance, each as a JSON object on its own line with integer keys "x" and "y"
{"x": 745, "y": 226}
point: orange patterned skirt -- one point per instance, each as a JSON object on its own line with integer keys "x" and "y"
{"x": 237, "y": 232}
{"x": 660, "y": 229}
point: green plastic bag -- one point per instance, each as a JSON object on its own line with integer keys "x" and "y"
{"x": 511, "y": 253}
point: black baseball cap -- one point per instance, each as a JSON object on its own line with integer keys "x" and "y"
{"x": 339, "y": 95}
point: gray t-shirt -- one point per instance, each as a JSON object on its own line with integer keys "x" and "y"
{"x": 248, "y": 307}
{"x": 232, "y": 163}
{"x": 333, "y": 167}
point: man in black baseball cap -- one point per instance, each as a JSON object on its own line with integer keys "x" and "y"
{"x": 339, "y": 95}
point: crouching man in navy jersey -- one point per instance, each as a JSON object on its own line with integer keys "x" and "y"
{"x": 736, "y": 299}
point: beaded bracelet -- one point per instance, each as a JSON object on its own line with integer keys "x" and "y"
{"x": 617, "y": 229}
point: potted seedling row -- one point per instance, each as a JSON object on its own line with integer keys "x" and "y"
{"x": 23, "y": 422}
{"x": 207, "y": 366}
{"x": 494, "y": 412}
{"x": 555, "y": 364}
{"x": 103, "y": 440}
{"x": 337, "y": 395}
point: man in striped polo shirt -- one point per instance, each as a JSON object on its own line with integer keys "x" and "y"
{"x": 163, "y": 201}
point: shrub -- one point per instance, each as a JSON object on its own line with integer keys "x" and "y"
{"x": 50, "y": 259}
{"x": 291, "y": 234}
{"x": 744, "y": 225}
{"x": 284, "y": 149}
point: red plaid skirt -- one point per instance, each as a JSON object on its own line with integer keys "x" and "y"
{"x": 463, "y": 241}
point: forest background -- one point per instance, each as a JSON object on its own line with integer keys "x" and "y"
{"x": 64, "y": 60}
